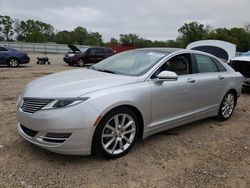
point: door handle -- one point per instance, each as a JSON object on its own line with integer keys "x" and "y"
{"x": 221, "y": 77}
{"x": 190, "y": 80}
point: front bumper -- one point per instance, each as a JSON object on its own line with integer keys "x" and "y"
{"x": 70, "y": 60}
{"x": 76, "y": 121}
{"x": 24, "y": 60}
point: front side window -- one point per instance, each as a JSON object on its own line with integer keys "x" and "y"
{"x": 3, "y": 49}
{"x": 180, "y": 64}
{"x": 100, "y": 51}
{"x": 92, "y": 51}
{"x": 205, "y": 64}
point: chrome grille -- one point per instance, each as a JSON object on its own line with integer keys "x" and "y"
{"x": 31, "y": 105}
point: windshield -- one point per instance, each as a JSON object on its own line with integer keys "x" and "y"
{"x": 83, "y": 49}
{"x": 130, "y": 63}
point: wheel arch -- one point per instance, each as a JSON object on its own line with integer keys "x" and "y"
{"x": 234, "y": 91}
{"x": 134, "y": 109}
{"x": 9, "y": 58}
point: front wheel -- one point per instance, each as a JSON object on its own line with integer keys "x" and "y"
{"x": 116, "y": 133}
{"x": 80, "y": 63}
{"x": 13, "y": 62}
{"x": 227, "y": 106}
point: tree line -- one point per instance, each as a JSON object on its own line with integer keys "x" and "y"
{"x": 38, "y": 31}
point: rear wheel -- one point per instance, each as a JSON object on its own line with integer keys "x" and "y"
{"x": 13, "y": 62}
{"x": 227, "y": 106}
{"x": 116, "y": 133}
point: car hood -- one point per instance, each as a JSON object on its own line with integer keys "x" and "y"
{"x": 73, "y": 48}
{"x": 74, "y": 83}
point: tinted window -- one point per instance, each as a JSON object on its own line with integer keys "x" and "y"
{"x": 205, "y": 64}
{"x": 91, "y": 51}
{"x": 100, "y": 51}
{"x": 3, "y": 49}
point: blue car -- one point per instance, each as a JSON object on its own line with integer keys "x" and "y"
{"x": 12, "y": 57}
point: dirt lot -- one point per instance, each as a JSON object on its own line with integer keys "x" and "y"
{"x": 207, "y": 153}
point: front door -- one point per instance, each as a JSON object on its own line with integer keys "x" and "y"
{"x": 171, "y": 100}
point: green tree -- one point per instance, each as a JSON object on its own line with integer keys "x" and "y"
{"x": 63, "y": 37}
{"x": 128, "y": 39}
{"x": 238, "y": 36}
{"x": 36, "y": 31}
{"x": 191, "y": 32}
{"x": 17, "y": 29}
{"x": 79, "y": 35}
{"x": 6, "y": 27}
{"x": 94, "y": 39}
{"x": 114, "y": 41}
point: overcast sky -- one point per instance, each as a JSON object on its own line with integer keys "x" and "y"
{"x": 152, "y": 19}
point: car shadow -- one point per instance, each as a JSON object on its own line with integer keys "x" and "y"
{"x": 19, "y": 67}
{"x": 246, "y": 90}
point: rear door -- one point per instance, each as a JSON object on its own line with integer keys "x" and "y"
{"x": 210, "y": 83}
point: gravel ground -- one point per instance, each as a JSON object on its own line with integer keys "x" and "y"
{"x": 206, "y": 153}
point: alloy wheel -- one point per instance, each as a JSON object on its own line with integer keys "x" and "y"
{"x": 228, "y": 105}
{"x": 118, "y": 134}
{"x": 13, "y": 62}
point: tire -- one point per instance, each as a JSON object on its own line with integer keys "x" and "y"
{"x": 227, "y": 106}
{"x": 80, "y": 63}
{"x": 13, "y": 62}
{"x": 116, "y": 133}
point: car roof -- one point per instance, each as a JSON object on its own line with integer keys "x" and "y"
{"x": 159, "y": 50}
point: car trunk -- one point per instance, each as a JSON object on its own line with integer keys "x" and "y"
{"x": 221, "y": 49}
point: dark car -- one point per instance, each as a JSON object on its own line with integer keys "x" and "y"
{"x": 12, "y": 57}
{"x": 86, "y": 55}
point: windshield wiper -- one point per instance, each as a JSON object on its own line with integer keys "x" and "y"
{"x": 105, "y": 70}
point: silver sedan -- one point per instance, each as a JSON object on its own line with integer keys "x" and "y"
{"x": 129, "y": 96}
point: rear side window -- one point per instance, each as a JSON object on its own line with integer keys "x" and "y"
{"x": 109, "y": 51}
{"x": 205, "y": 64}
{"x": 3, "y": 49}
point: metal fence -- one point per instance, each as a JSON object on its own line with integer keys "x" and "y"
{"x": 39, "y": 47}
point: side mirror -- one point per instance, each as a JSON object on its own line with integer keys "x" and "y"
{"x": 167, "y": 75}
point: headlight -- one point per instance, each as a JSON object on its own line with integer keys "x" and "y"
{"x": 71, "y": 55}
{"x": 61, "y": 103}
{"x": 19, "y": 100}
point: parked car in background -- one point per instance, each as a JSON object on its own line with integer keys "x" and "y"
{"x": 88, "y": 55}
{"x": 128, "y": 96}
{"x": 242, "y": 65}
{"x": 12, "y": 57}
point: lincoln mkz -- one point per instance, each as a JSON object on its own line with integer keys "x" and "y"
{"x": 126, "y": 97}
